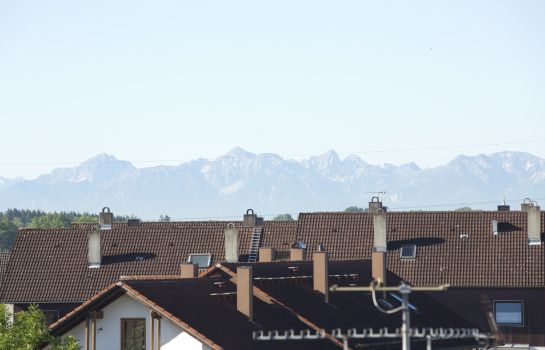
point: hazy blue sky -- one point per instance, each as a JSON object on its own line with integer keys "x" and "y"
{"x": 177, "y": 80}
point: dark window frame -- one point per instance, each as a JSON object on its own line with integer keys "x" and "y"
{"x": 123, "y": 330}
{"x": 518, "y": 301}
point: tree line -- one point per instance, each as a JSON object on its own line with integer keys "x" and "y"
{"x": 12, "y": 220}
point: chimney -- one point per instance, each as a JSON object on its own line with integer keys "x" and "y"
{"x": 105, "y": 219}
{"x": 266, "y": 254}
{"x": 380, "y": 239}
{"x": 378, "y": 266}
{"x": 188, "y": 270}
{"x": 375, "y": 205}
{"x": 134, "y": 223}
{"x": 503, "y": 206}
{"x": 94, "y": 249}
{"x": 231, "y": 243}
{"x": 245, "y": 291}
{"x": 320, "y": 274}
{"x": 379, "y": 231}
{"x": 534, "y": 225}
{"x": 297, "y": 254}
{"x": 249, "y": 219}
{"x": 527, "y": 203}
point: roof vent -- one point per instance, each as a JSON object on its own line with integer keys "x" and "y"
{"x": 105, "y": 219}
{"x": 464, "y": 236}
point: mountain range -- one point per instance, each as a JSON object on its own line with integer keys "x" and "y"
{"x": 270, "y": 184}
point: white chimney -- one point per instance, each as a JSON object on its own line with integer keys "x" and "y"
{"x": 231, "y": 243}
{"x": 379, "y": 231}
{"x": 106, "y": 219}
{"x": 534, "y": 225}
{"x": 95, "y": 256}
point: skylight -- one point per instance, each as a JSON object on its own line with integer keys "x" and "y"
{"x": 509, "y": 313}
{"x": 408, "y": 251}
{"x": 202, "y": 260}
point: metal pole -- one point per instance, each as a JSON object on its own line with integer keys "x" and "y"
{"x": 345, "y": 343}
{"x": 405, "y": 290}
{"x": 428, "y": 342}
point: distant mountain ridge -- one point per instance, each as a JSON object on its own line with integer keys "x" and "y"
{"x": 270, "y": 184}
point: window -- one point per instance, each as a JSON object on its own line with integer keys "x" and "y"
{"x": 133, "y": 334}
{"x": 203, "y": 260}
{"x": 408, "y": 251}
{"x": 509, "y": 313}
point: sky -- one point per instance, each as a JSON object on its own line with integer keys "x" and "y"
{"x": 160, "y": 82}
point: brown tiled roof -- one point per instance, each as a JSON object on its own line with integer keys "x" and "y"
{"x": 481, "y": 260}
{"x": 4, "y": 259}
{"x": 52, "y": 266}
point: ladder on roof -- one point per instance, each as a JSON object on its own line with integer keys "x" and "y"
{"x": 254, "y": 244}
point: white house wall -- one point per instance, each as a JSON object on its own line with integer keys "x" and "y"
{"x": 109, "y": 328}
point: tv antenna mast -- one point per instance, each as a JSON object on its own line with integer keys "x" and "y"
{"x": 404, "y": 290}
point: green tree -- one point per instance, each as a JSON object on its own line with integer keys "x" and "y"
{"x": 55, "y": 220}
{"x": 8, "y": 232}
{"x": 464, "y": 209}
{"x": 283, "y": 217}
{"x": 28, "y": 331}
{"x": 84, "y": 218}
{"x": 355, "y": 209}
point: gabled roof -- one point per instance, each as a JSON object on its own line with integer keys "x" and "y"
{"x": 192, "y": 305}
{"x": 207, "y": 309}
{"x": 290, "y": 284}
{"x": 480, "y": 260}
{"x": 52, "y": 265}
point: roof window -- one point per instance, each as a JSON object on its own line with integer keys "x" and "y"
{"x": 408, "y": 251}
{"x": 509, "y": 313}
{"x": 202, "y": 260}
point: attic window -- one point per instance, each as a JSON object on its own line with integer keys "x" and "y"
{"x": 408, "y": 251}
{"x": 509, "y": 313}
{"x": 202, "y": 260}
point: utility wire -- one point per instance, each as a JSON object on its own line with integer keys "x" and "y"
{"x": 427, "y": 148}
{"x": 295, "y": 214}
